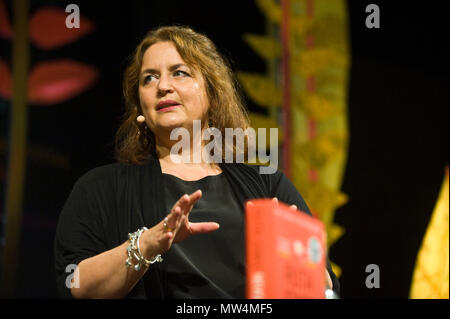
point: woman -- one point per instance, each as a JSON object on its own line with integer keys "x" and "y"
{"x": 194, "y": 244}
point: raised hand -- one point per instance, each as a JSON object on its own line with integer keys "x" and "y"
{"x": 177, "y": 222}
{"x": 176, "y": 227}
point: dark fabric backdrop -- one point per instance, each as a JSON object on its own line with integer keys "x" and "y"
{"x": 398, "y": 117}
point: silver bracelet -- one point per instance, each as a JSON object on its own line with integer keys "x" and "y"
{"x": 134, "y": 251}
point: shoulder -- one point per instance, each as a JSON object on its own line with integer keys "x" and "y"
{"x": 276, "y": 184}
{"x": 107, "y": 175}
{"x": 98, "y": 174}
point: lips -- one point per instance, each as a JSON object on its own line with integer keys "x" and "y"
{"x": 167, "y": 104}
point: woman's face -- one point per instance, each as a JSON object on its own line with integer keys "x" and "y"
{"x": 171, "y": 93}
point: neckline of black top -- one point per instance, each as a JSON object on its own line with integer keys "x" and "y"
{"x": 197, "y": 180}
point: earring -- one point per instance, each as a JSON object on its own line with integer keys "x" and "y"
{"x": 144, "y": 135}
{"x": 140, "y": 119}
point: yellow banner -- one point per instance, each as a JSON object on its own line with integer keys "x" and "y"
{"x": 430, "y": 279}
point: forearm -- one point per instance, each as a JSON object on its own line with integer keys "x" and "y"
{"x": 106, "y": 276}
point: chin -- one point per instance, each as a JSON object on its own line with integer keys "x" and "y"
{"x": 170, "y": 124}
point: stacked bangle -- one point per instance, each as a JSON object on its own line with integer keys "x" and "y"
{"x": 134, "y": 251}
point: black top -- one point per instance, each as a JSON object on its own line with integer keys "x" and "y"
{"x": 111, "y": 201}
{"x": 208, "y": 265}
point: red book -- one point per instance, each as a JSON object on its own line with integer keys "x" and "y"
{"x": 285, "y": 252}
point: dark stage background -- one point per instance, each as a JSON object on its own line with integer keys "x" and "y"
{"x": 398, "y": 118}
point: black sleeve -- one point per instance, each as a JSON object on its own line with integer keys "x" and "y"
{"x": 79, "y": 234}
{"x": 285, "y": 191}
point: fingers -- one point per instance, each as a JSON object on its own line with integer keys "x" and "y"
{"x": 180, "y": 209}
{"x": 201, "y": 228}
{"x": 186, "y": 202}
{"x": 193, "y": 198}
{"x": 275, "y": 201}
{"x": 170, "y": 223}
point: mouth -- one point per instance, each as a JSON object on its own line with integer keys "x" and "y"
{"x": 166, "y": 106}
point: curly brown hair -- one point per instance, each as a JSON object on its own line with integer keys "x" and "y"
{"x": 134, "y": 142}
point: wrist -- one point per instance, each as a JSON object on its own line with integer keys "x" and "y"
{"x": 148, "y": 245}
{"x": 135, "y": 253}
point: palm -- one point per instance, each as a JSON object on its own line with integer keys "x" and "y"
{"x": 178, "y": 219}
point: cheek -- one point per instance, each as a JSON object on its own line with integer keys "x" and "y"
{"x": 145, "y": 100}
{"x": 141, "y": 97}
{"x": 145, "y": 105}
{"x": 202, "y": 99}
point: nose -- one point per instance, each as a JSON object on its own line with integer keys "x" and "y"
{"x": 164, "y": 84}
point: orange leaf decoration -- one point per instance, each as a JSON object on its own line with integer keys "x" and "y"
{"x": 5, "y": 80}
{"x": 56, "y": 81}
{"x": 5, "y": 26}
{"x": 48, "y": 28}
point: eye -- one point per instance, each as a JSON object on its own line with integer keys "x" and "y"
{"x": 149, "y": 78}
{"x": 180, "y": 73}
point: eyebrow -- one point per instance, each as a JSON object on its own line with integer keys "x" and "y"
{"x": 171, "y": 68}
